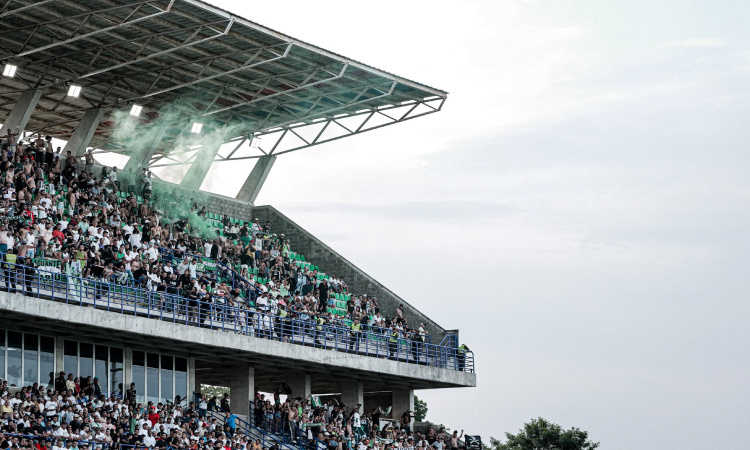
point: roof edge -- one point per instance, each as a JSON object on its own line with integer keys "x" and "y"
{"x": 216, "y": 10}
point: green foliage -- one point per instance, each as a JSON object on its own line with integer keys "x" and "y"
{"x": 209, "y": 391}
{"x": 420, "y": 410}
{"x": 540, "y": 434}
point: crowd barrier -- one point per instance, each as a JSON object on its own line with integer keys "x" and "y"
{"x": 219, "y": 314}
{"x": 33, "y": 437}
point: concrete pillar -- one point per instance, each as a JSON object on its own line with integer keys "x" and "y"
{"x": 142, "y": 156}
{"x": 241, "y": 389}
{"x": 127, "y": 368}
{"x": 253, "y": 183}
{"x": 59, "y": 355}
{"x": 193, "y": 386}
{"x": 198, "y": 170}
{"x": 21, "y": 113}
{"x": 402, "y": 400}
{"x": 300, "y": 384}
{"x": 352, "y": 394}
{"x": 83, "y": 133}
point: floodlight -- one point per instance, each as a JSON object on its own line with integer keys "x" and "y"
{"x": 10, "y": 70}
{"x": 255, "y": 142}
{"x": 136, "y": 110}
{"x": 196, "y": 128}
{"x": 74, "y": 90}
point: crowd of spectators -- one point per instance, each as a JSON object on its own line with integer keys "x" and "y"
{"x": 71, "y": 413}
{"x": 57, "y": 212}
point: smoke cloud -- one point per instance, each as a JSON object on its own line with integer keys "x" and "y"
{"x": 138, "y": 135}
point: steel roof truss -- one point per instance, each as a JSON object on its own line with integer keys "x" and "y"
{"x": 197, "y": 78}
{"x": 4, "y": 12}
{"x": 189, "y": 42}
{"x": 123, "y": 23}
{"x": 306, "y": 84}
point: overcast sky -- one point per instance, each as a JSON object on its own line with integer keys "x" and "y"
{"x": 579, "y": 210}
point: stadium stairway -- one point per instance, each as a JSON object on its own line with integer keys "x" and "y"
{"x": 268, "y": 436}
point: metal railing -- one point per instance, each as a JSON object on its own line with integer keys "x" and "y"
{"x": 219, "y": 313}
{"x": 266, "y": 437}
{"x": 34, "y": 437}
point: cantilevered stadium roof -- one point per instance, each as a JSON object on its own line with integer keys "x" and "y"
{"x": 187, "y": 61}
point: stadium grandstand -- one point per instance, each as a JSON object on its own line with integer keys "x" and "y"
{"x": 123, "y": 296}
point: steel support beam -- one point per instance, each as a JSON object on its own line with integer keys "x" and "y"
{"x": 85, "y": 130}
{"x": 21, "y": 113}
{"x": 202, "y": 163}
{"x": 251, "y": 188}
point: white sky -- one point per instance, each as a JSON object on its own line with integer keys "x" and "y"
{"x": 579, "y": 210}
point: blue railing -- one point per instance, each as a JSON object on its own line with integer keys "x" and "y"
{"x": 266, "y": 437}
{"x": 236, "y": 280}
{"x": 218, "y": 314}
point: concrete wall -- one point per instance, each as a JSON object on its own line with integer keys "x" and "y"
{"x": 189, "y": 340}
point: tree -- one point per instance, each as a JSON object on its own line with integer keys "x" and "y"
{"x": 540, "y": 434}
{"x": 420, "y": 409}
{"x": 209, "y": 391}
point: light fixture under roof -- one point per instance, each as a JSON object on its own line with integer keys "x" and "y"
{"x": 197, "y": 127}
{"x": 9, "y": 70}
{"x": 136, "y": 110}
{"x": 74, "y": 90}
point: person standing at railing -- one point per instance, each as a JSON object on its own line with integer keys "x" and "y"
{"x": 230, "y": 420}
{"x": 393, "y": 342}
{"x": 9, "y": 270}
{"x": 461, "y": 356}
{"x": 354, "y": 335}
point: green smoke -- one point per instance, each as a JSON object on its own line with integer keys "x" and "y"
{"x": 173, "y": 208}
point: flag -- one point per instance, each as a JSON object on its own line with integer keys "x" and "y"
{"x": 315, "y": 401}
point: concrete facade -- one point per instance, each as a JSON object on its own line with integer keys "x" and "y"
{"x": 217, "y": 204}
{"x": 307, "y": 369}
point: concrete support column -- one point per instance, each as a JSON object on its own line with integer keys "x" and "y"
{"x": 253, "y": 183}
{"x": 352, "y": 394}
{"x": 402, "y": 400}
{"x": 193, "y": 386}
{"x": 241, "y": 389}
{"x": 198, "y": 170}
{"x": 142, "y": 156}
{"x": 59, "y": 355}
{"x": 21, "y": 113}
{"x": 127, "y": 369}
{"x": 300, "y": 384}
{"x": 83, "y": 133}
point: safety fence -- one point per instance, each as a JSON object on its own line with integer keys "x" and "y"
{"x": 221, "y": 313}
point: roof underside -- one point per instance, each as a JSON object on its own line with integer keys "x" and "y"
{"x": 185, "y": 61}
